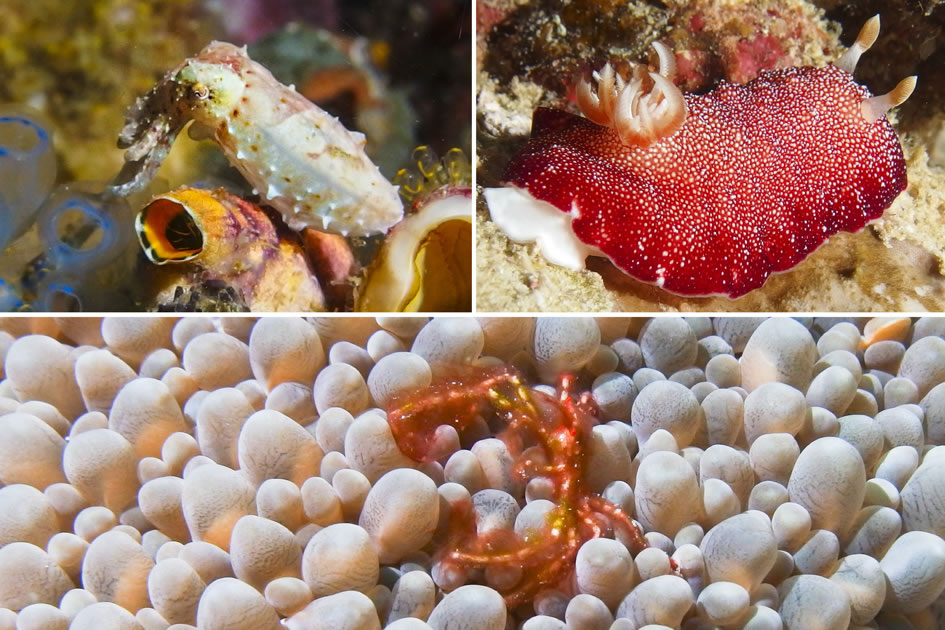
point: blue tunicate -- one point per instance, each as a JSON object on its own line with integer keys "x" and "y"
{"x": 84, "y": 229}
{"x": 10, "y": 300}
{"x": 27, "y": 168}
{"x": 59, "y": 292}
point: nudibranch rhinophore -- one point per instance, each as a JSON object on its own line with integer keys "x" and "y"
{"x": 299, "y": 158}
{"x": 705, "y": 194}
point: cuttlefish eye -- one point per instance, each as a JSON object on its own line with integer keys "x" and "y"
{"x": 200, "y": 91}
{"x": 169, "y": 232}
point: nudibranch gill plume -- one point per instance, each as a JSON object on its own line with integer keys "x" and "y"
{"x": 705, "y": 194}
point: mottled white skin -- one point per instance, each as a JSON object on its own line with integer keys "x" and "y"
{"x": 157, "y": 363}
{"x": 262, "y": 550}
{"x": 719, "y": 501}
{"x": 75, "y": 600}
{"x": 914, "y": 568}
{"x": 761, "y": 617}
{"x": 497, "y": 462}
{"x": 280, "y": 500}
{"x": 861, "y": 577}
{"x": 288, "y": 595}
{"x": 832, "y": 389}
{"x": 320, "y": 502}
{"x": 29, "y": 576}
{"x": 355, "y": 356}
{"x": 219, "y": 422}
{"x": 213, "y": 499}
{"x": 603, "y": 568}
{"x": 652, "y": 562}
{"x": 666, "y": 491}
{"x": 865, "y": 435}
{"x": 396, "y": 373}
{"x": 608, "y": 458}
{"x": 134, "y": 338}
{"x": 470, "y": 607}
{"x": 341, "y": 385}
{"x": 724, "y": 412}
{"x": 829, "y": 480}
{"x": 922, "y": 498}
{"x": 901, "y": 427}
{"x": 299, "y": 158}
{"x": 662, "y": 600}
{"x": 898, "y": 464}
{"x": 563, "y": 344}
{"x": 740, "y": 549}
{"x": 332, "y": 463}
{"x": 933, "y": 404}
{"x": 379, "y": 345}
{"x": 413, "y": 595}
{"x": 104, "y": 615}
{"x": 40, "y": 368}
{"x": 177, "y": 450}
{"x": 349, "y": 610}
{"x": 294, "y": 400}
{"x": 30, "y": 451}
{"x": 116, "y": 569}
{"x": 209, "y": 561}
{"x": 819, "y": 554}
{"x": 407, "y": 623}
{"x": 352, "y": 489}
{"x": 791, "y": 526}
{"x": 101, "y": 464}
{"x": 730, "y": 465}
{"x": 544, "y": 622}
{"x": 782, "y": 569}
{"x": 773, "y": 456}
{"x": 370, "y": 448}
{"x": 666, "y": 405}
{"x": 899, "y": 391}
{"x": 924, "y": 363}
{"x": 811, "y": 602}
{"x": 229, "y": 604}
{"x": 463, "y": 468}
{"x": 254, "y": 392}
{"x": 41, "y": 617}
{"x": 339, "y": 558}
{"x": 174, "y": 588}
{"x": 45, "y": 412}
{"x": 100, "y": 375}
{"x": 217, "y": 360}
{"x": 722, "y": 602}
{"x": 614, "y": 393}
{"x": 780, "y": 349}
{"x": 94, "y": 520}
{"x": 272, "y": 445}
{"x": 668, "y": 344}
{"x": 774, "y": 408}
{"x": 285, "y": 349}
{"x": 145, "y": 412}
{"x": 400, "y": 513}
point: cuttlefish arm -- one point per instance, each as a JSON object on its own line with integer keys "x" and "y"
{"x": 151, "y": 126}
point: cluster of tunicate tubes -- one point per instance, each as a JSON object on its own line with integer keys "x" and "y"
{"x": 83, "y": 230}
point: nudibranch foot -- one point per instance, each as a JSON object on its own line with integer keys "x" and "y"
{"x": 296, "y": 156}
{"x": 713, "y": 195}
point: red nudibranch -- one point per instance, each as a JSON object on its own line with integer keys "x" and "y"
{"x": 706, "y": 194}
